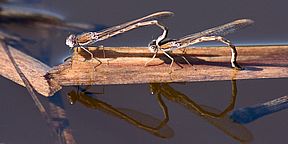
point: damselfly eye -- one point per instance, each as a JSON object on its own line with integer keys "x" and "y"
{"x": 71, "y": 40}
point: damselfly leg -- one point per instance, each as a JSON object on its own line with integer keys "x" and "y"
{"x": 91, "y": 54}
{"x": 152, "y": 58}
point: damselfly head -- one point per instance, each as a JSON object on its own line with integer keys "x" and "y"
{"x": 71, "y": 41}
{"x": 152, "y": 46}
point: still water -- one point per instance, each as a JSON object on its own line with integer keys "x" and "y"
{"x": 174, "y": 113}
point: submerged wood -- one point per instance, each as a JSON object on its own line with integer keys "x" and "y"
{"x": 125, "y": 65}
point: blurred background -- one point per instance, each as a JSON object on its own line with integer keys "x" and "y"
{"x": 20, "y": 121}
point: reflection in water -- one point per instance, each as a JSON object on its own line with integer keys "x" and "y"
{"x": 220, "y": 119}
{"x": 59, "y": 121}
{"x": 215, "y": 117}
{"x": 176, "y": 96}
{"x": 141, "y": 120}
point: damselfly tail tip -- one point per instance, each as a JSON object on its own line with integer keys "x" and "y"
{"x": 168, "y": 13}
{"x": 71, "y": 40}
{"x": 164, "y": 14}
{"x": 246, "y": 21}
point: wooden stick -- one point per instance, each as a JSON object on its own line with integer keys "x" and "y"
{"x": 66, "y": 132}
{"x": 125, "y": 65}
{"x": 33, "y": 70}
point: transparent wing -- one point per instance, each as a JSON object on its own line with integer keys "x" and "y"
{"x": 156, "y": 15}
{"x": 218, "y": 31}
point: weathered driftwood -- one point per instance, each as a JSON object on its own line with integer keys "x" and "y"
{"x": 125, "y": 65}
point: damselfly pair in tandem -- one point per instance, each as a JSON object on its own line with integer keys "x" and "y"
{"x": 161, "y": 43}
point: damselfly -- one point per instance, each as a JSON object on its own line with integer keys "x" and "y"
{"x": 89, "y": 38}
{"x": 213, "y": 34}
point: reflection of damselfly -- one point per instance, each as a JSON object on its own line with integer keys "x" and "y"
{"x": 213, "y": 34}
{"x": 141, "y": 120}
{"x": 89, "y": 38}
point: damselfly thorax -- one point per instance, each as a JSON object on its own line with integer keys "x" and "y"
{"x": 213, "y": 34}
